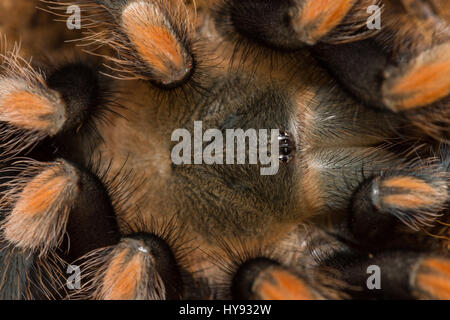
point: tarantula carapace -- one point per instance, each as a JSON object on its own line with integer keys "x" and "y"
{"x": 94, "y": 108}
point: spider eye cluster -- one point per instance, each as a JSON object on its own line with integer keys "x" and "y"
{"x": 287, "y": 148}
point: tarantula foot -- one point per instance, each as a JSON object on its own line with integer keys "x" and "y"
{"x": 40, "y": 200}
{"x": 432, "y": 278}
{"x": 34, "y": 105}
{"x": 140, "y": 267}
{"x": 419, "y": 82}
{"x": 265, "y": 279}
{"x": 31, "y": 107}
{"x": 414, "y": 199}
{"x": 40, "y": 206}
{"x": 150, "y": 38}
{"x": 296, "y": 23}
{"x": 403, "y": 275}
{"x": 314, "y": 19}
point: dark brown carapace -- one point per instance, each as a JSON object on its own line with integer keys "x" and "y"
{"x": 357, "y": 91}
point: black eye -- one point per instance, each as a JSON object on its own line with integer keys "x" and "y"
{"x": 286, "y": 147}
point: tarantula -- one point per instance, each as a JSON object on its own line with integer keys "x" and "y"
{"x": 362, "y": 129}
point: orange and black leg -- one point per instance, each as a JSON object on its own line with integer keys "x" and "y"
{"x": 294, "y": 23}
{"x": 407, "y": 271}
{"x": 57, "y": 207}
{"x": 267, "y": 279}
{"x": 394, "y": 275}
{"x": 142, "y": 266}
{"x": 415, "y": 198}
{"x": 401, "y": 66}
{"x": 45, "y": 198}
{"x": 145, "y": 40}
